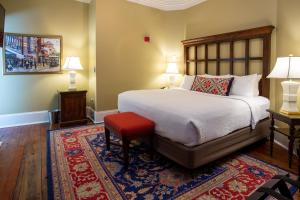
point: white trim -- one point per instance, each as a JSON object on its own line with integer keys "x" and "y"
{"x": 283, "y": 146}
{"x": 90, "y": 113}
{"x": 99, "y": 115}
{"x": 39, "y": 117}
{"x": 21, "y": 119}
{"x": 168, "y": 5}
{"x": 85, "y": 1}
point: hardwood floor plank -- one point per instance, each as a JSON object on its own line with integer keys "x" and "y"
{"x": 29, "y": 180}
{"x": 280, "y": 156}
{"x": 4, "y": 160}
{"x": 11, "y": 157}
{"x": 43, "y": 132}
{"x": 17, "y": 189}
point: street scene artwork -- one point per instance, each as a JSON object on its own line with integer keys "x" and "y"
{"x": 32, "y": 54}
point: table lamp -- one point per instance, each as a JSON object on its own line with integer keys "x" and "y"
{"x": 172, "y": 71}
{"x": 72, "y": 64}
{"x": 288, "y": 68}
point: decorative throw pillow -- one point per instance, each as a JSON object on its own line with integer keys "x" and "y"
{"x": 217, "y": 86}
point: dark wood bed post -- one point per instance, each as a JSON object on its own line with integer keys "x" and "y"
{"x": 186, "y": 57}
{"x": 262, "y": 33}
{"x": 265, "y": 88}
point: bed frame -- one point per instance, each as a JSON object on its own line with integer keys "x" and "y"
{"x": 196, "y": 156}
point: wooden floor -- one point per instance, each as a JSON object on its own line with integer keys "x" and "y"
{"x": 23, "y": 161}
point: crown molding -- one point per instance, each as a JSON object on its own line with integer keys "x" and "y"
{"x": 168, "y": 5}
{"x": 84, "y": 1}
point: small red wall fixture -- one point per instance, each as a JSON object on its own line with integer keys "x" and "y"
{"x": 147, "y": 39}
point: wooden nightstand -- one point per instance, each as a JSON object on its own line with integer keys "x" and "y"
{"x": 72, "y": 105}
{"x": 291, "y": 133}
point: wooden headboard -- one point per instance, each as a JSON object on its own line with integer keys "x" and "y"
{"x": 239, "y": 53}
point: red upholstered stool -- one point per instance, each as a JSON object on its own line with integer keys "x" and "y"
{"x": 129, "y": 126}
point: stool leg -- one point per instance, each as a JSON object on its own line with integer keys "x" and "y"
{"x": 125, "y": 143}
{"x": 107, "y": 138}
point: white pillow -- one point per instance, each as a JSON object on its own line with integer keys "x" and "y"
{"x": 187, "y": 82}
{"x": 245, "y": 85}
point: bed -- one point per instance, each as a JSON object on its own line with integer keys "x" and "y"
{"x": 193, "y": 118}
{"x": 195, "y": 128}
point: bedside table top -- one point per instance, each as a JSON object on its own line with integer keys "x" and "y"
{"x": 278, "y": 113}
{"x": 71, "y": 91}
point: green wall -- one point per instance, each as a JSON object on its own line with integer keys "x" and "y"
{"x": 27, "y": 93}
{"x": 124, "y": 60}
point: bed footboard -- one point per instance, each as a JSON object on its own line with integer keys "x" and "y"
{"x": 194, "y": 157}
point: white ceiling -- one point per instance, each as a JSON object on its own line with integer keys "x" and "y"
{"x": 84, "y": 1}
{"x": 168, "y": 5}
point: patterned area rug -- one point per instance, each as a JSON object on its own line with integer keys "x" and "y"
{"x": 80, "y": 167}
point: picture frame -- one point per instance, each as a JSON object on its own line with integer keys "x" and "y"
{"x": 32, "y": 54}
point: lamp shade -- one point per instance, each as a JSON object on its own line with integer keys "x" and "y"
{"x": 72, "y": 63}
{"x": 172, "y": 68}
{"x": 286, "y": 67}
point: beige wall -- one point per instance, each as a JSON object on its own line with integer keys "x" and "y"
{"x": 288, "y": 37}
{"x": 92, "y": 56}
{"x": 26, "y": 93}
{"x": 217, "y": 16}
{"x": 108, "y": 35}
{"x": 124, "y": 61}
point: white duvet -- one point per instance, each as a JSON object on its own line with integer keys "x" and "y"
{"x": 192, "y": 118}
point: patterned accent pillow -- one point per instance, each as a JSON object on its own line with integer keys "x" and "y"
{"x": 217, "y": 86}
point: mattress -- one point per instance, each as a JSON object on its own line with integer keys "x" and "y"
{"x": 192, "y": 118}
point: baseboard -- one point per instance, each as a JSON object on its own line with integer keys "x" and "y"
{"x": 99, "y": 115}
{"x": 283, "y": 146}
{"x": 90, "y": 113}
{"x": 39, "y": 117}
{"x": 21, "y": 119}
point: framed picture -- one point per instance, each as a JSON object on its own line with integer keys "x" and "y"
{"x": 32, "y": 54}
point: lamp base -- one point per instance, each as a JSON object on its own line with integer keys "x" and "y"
{"x": 72, "y": 83}
{"x": 289, "y": 104}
